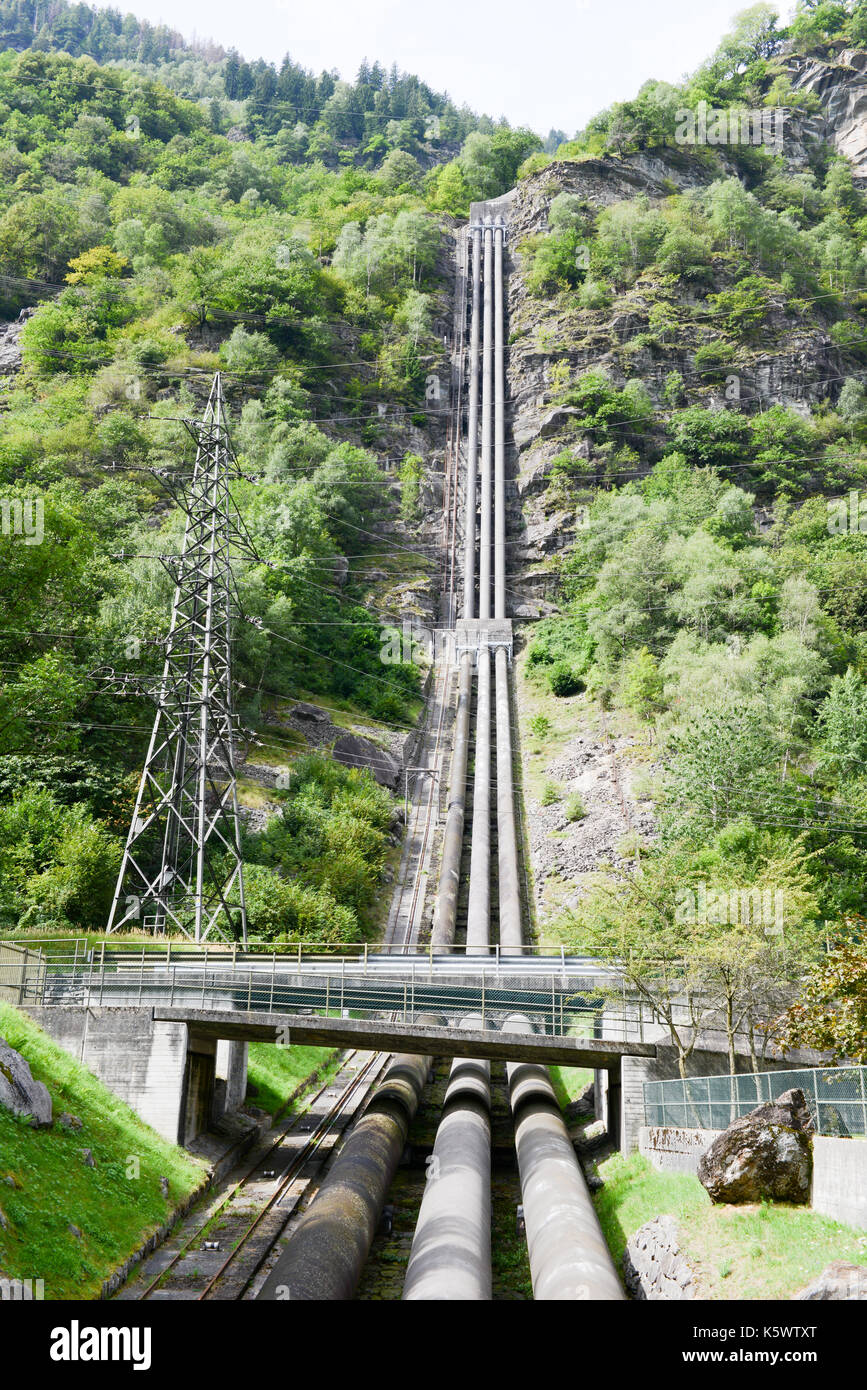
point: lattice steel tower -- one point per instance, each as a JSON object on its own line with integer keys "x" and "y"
{"x": 182, "y": 861}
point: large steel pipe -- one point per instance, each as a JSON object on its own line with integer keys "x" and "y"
{"x": 499, "y": 430}
{"x": 472, "y": 436}
{"x": 507, "y": 841}
{"x": 326, "y": 1255}
{"x": 486, "y": 518}
{"x": 451, "y": 1248}
{"x": 445, "y": 915}
{"x": 479, "y": 904}
{"x": 569, "y": 1258}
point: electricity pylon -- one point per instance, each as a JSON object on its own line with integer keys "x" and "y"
{"x": 182, "y": 860}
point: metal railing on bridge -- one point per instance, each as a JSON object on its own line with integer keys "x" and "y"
{"x": 836, "y": 1096}
{"x": 561, "y": 1001}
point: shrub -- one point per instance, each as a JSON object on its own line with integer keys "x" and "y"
{"x": 540, "y": 725}
{"x": 280, "y": 909}
{"x": 249, "y": 352}
{"x": 563, "y": 680}
{"x": 595, "y": 294}
{"x": 551, "y": 793}
{"x": 575, "y": 808}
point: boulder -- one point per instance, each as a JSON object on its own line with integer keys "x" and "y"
{"x": 304, "y": 711}
{"x": 69, "y": 1121}
{"x": 353, "y": 751}
{"x": 838, "y": 1281}
{"x": 18, "y": 1090}
{"x": 763, "y": 1156}
{"x": 87, "y": 1158}
{"x": 654, "y": 1267}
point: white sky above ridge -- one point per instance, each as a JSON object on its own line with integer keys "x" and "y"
{"x": 551, "y": 67}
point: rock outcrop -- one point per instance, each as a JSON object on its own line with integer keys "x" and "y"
{"x": 837, "y": 1281}
{"x": 10, "y": 346}
{"x": 841, "y": 86}
{"x": 763, "y": 1156}
{"x": 654, "y": 1266}
{"x": 354, "y": 751}
{"x": 18, "y": 1090}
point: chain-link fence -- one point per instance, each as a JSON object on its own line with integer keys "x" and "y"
{"x": 836, "y": 1096}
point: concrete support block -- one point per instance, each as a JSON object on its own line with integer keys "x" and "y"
{"x": 230, "y": 1076}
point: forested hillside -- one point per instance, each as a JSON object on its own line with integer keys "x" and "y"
{"x": 147, "y": 239}
{"x": 692, "y": 484}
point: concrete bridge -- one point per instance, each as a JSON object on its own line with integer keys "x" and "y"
{"x": 170, "y": 1035}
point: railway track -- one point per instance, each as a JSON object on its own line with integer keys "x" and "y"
{"x": 221, "y": 1249}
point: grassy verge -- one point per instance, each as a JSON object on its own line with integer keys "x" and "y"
{"x": 278, "y": 1071}
{"x": 738, "y": 1252}
{"x": 114, "y": 1205}
{"x": 569, "y": 1082}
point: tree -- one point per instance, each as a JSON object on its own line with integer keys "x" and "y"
{"x": 842, "y": 721}
{"x": 400, "y": 169}
{"x": 642, "y": 685}
{"x": 831, "y": 1011}
{"x": 631, "y": 925}
{"x": 720, "y": 764}
{"x": 99, "y": 263}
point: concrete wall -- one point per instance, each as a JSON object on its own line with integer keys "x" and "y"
{"x": 839, "y": 1167}
{"x": 141, "y": 1060}
{"x": 672, "y": 1149}
{"x": 840, "y": 1179}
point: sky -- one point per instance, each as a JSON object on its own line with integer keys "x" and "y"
{"x": 549, "y": 65}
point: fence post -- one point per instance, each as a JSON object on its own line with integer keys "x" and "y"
{"x": 249, "y": 988}
{"x": 365, "y": 957}
{"x": 816, "y": 1091}
{"x": 327, "y": 993}
{"x": 141, "y": 974}
{"x": 101, "y": 970}
{"x": 863, "y": 1102}
{"x": 342, "y": 981}
{"x": 553, "y": 1005}
{"x": 483, "y": 1000}
{"x": 412, "y": 967}
{"x": 172, "y": 991}
{"x": 273, "y": 975}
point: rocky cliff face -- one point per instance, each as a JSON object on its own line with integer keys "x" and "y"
{"x": 840, "y": 83}
{"x": 796, "y": 364}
